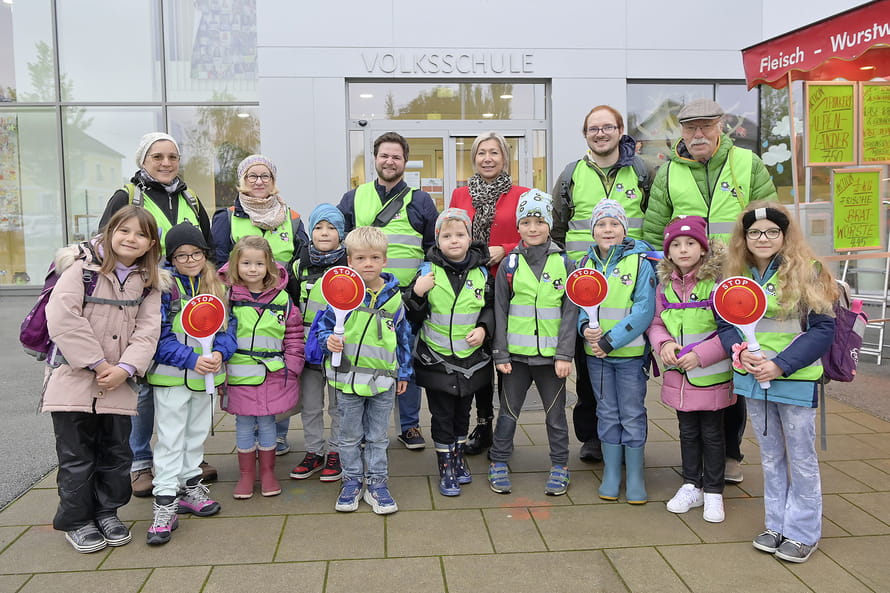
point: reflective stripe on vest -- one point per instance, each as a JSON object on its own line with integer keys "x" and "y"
{"x": 731, "y": 193}
{"x": 536, "y": 308}
{"x": 622, "y": 280}
{"x": 311, "y": 298}
{"x": 260, "y": 339}
{"x": 694, "y": 324}
{"x": 452, "y": 317}
{"x": 281, "y": 238}
{"x": 183, "y": 211}
{"x": 405, "y": 251}
{"x": 588, "y": 190}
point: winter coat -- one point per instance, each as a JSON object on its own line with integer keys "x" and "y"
{"x": 660, "y": 210}
{"x": 221, "y": 231}
{"x": 435, "y": 375}
{"x": 87, "y": 333}
{"x": 281, "y": 389}
{"x": 676, "y": 390}
{"x": 504, "y": 232}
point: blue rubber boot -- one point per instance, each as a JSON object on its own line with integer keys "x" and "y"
{"x": 461, "y": 468}
{"x": 448, "y": 485}
{"x": 612, "y": 455}
{"x": 636, "y": 480}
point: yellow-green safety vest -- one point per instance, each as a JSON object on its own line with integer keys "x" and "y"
{"x": 260, "y": 339}
{"x": 281, "y": 238}
{"x": 311, "y": 298}
{"x": 184, "y": 210}
{"x": 405, "y": 251}
{"x": 452, "y": 316}
{"x": 536, "y": 307}
{"x": 619, "y": 300}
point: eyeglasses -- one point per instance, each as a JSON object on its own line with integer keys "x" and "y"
{"x": 691, "y": 127}
{"x": 158, "y": 157}
{"x": 253, "y": 178}
{"x": 182, "y": 258}
{"x": 606, "y": 129}
{"x": 771, "y": 234}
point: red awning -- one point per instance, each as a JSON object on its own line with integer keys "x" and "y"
{"x": 836, "y": 47}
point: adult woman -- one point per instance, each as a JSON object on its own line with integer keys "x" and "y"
{"x": 490, "y": 198}
{"x": 156, "y": 186}
{"x": 259, "y": 211}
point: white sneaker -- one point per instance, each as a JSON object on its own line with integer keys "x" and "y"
{"x": 713, "y": 508}
{"x": 687, "y": 497}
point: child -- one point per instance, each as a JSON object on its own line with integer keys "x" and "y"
{"x": 183, "y": 411}
{"x": 533, "y": 340}
{"x": 106, "y": 339}
{"x": 697, "y": 375}
{"x": 326, "y": 226}
{"x": 617, "y": 351}
{"x": 768, "y": 246}
{"x": 451, "y": 299}
{"x": 264, "y": 373}
{"x": 374, "y": 368}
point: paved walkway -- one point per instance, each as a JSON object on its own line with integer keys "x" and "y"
{"x": 483, "y": 542}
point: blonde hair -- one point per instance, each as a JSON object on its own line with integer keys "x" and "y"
{"x": 149, "y": 262}
{"x": 244, "y": 188}
{"x": 502, "y": 142}
{"x": 804, "y": 286}
{"x": 366, "y": 237}
{"x": 260, "y": 244}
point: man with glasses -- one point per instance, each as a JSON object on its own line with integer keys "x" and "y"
{"x": 709, "y": 176}
{"x": 609, "y": 169}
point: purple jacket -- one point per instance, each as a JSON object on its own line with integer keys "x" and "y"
{"x": 281, "y": 389}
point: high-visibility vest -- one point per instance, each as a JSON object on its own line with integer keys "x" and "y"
{"x": 281, "y": 238}
{"x": 186, "y": 210}
{"x": 536, "y": 307}
{"x": 311, "y": 298}
{"x": 619, "y": 300}
{"x": 452, "y": 316}
{"x": 260, "y": 335}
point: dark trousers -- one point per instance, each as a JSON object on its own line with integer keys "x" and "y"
{"x": 702, "y": 449}
{"x": 450, "y": 416}
{"x": 94, "y": 466}
{"x": 485, "y": 397}
{"x": 584, "y": 413}
{"x": 734, "y": 419}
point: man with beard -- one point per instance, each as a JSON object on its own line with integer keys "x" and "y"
{"x": 610, "y": 169}
{"x": 710, "y": 177}
{"x": 407, "y": 216}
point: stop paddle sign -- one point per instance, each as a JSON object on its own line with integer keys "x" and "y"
{"x": 202, "y": 317}
{"x": 587, "y": 288}
{"x": 344, "y": 290}
{"x": 742, "y": 302}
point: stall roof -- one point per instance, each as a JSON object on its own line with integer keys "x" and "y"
{"x": 854, "y": 45}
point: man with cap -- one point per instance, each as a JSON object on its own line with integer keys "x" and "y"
{"x": 407, "y": 216}
{"x": 710, "y": 177}
{"x": 609, "y": 169}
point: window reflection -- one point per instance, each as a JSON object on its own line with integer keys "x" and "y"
{"x": 26, "y": 67}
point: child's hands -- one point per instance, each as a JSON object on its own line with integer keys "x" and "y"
{"x": 763, "y": 370}
{"x": 505, "y": 368}
{"x": 593, "y": 335}
{"x": 669, "y": 352}
{"x": 335, "y": 343}
{"x": 110, "y": 377}
{"x": 597, "y": 351}
{"x": 688, "y": 361}
{"x": 401, "y": 387}
{"x": 563, "y": 368}
{"x": 496, "y": 254}
{"x": 424, "y": 284}
{"x": 209, "y": 366}
{"x": 476, "y": 336}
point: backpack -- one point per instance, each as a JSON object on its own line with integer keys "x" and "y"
{"x": 137, "y": 198}
{"x": 842, "y": 358}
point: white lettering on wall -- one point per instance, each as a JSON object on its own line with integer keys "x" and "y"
{"x": 449, "y": 62}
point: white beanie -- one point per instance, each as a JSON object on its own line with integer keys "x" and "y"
{"x": 146, "y": 142}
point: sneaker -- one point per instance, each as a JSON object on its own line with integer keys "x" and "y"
{"x": 591, "y": 451}
{"x": 281, "y": 446}
{"x": 208, "y": 472}
{"x": 794, "y": 551}
{"x": 196, "y": 500}
{"x": 768, "y": 541}
{"x": 141, "y": 481}
{"x": 113, "y": 530}
{"x": 733, "y": 471}
{"x": 687, "y": 497}
{"x": 558, "y": 481}
{"x": 86, "y": 539}
{"x": 332, "y": 470}
{"x": 381, "y": 501}
{"x": 499, "y": 477}
{"x": 164, "y": 521}
{"x": 412, "y": 439}
{"x": 311, "y": 463}
{"x": 713, "y": 508}
{"x": 350, "y": 494}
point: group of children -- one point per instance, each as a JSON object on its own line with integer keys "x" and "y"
{"x": 520, "y": 320}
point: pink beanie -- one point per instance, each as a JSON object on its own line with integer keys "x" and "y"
{"x": 687, "y": 226}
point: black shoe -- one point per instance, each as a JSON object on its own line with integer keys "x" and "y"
{"x": 480, "y": 439}
{"x": 114, "y": 531}
{"x": 591, "y": 451}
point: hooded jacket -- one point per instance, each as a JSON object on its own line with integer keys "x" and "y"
{"x": 87, "y": 333}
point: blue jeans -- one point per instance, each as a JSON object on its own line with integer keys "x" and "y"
{"x": 246, "y": 438}
{"x": 792, "y": 487}
{"x": 368, "y": 417}
{"x": 619, "y": 385}
{"x": 143, "y": 426}
{"x": 409, "y": 402}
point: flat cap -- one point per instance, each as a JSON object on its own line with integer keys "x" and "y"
{"x": 700, "y": 109}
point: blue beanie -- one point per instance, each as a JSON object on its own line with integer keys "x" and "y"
{"x": 607, "y": 208}
{"x": 330, "y": 213}
{"x": 534, "y": 202}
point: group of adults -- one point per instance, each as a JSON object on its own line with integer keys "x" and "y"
{"x": 706, "y": 175}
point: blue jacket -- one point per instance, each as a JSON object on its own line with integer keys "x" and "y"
{"x": 323, "y": 326}
{"x": 171, "y": 351}
{"x": 643, "y": 309}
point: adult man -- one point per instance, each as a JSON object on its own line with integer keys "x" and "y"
{"x": 609, "y": 169}
{"x": 407, "y": 216}
{"x": 710, "y": 177}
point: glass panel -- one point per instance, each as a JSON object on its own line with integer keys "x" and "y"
{"x": 464, "y": 159}
{"x": 211, "y": 50}
{"x": 446, "y": 100}
{"x": 30, "y": 186}
{"x": 27, "y": 72}
{"x": 742, "y": 114}
{"x": 213, "y": 140}
{"x": 99, "y": 148}
{"x": 425, "y": 168}
{"x": 776, "y": 135}
{"x": 356, "y": 158}
{"x": 109, "y": 51}
{"x": 539, "y": 160}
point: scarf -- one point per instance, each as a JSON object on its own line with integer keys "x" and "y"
{"x": 325, "y": 258}
{"x": 266, "y": 213}
{"x": 170, "y": 189}
{"x": 485, "y": 198}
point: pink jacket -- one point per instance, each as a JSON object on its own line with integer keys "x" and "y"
{"x": 676, "y": 390}
{"x": 281, "y": 389}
